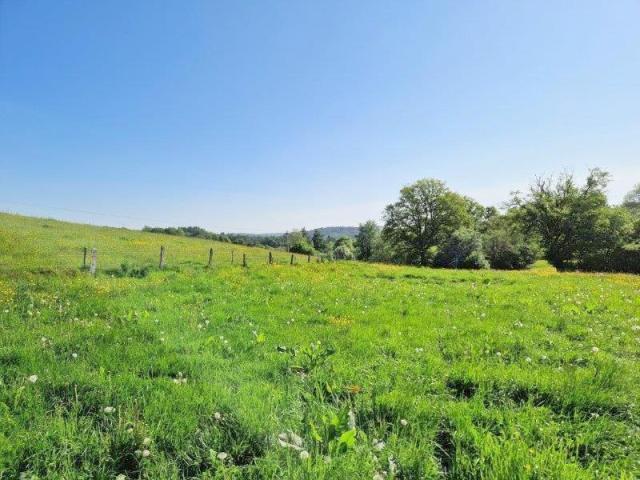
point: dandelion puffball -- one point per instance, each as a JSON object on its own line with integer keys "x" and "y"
{"x": 33, "y": 378}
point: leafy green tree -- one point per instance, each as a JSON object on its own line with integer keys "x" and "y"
{"x": 318, "y": 241}
{"x": 366, "y": 239}
{"x": 632, "y": 200}
{"x": 631, "y": 203}
{"x": 299, "y": 243}
{"x": 426, "y": 214}
{"x": 563, "y": 214}
{"x": 463, "y": 249}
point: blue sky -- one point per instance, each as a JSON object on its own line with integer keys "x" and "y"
{"x": 266, "y": 116}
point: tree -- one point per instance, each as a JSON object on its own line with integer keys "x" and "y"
{"x": 632, "y": 200}
{"x": 571, "y": 221}
{"x": 318, "y": 241}
{"x": 299, "y": 243}
{"x": 463, "y": 249}
{"x": 366, "y": 238}
{"x": 426, "y": 214}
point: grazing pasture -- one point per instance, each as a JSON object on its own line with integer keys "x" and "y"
{"x": 309, "y": 371}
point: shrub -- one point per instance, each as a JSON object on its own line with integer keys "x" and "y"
{"x": 343, "y": 252}
{"x": 625, "y": 258}
{"x": 509, "y": 251}
{"x": 462, "y": 250}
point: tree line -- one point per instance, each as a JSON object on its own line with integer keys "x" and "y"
{"x": 570, "y": 225}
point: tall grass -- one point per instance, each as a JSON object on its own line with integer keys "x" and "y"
{"x": 374, "y": 371}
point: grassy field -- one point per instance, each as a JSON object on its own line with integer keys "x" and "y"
{"x": 333, "y": 370}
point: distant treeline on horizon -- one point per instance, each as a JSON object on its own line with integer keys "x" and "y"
{"x": 571, "y": 226}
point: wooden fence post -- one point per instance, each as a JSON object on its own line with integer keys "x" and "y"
{"x": 210, "y": 257}
{"x": 231, "y": 256}
{"x": 244, "y": 259}
{"x": 270, "y": 258}
{"x": 308, "y": 258}
{"x": 84, "y": 259}
{"x": 292, "y": 259}
{"x": 94, "y": 262}
{"x": 161, "y": 265}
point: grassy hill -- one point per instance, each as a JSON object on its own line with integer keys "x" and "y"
{"x": 334, "y": 370}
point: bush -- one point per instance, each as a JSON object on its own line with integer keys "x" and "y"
{"x": 625, "y": 258}
{"x": 462, "y": 250}
{"x": 302, "y": 247}
{"x": 343, "y": 252}
{"x": 509, "y": 251}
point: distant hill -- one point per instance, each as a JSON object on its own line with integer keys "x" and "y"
{"x": 337, "y": 232}
{"x": 334, "y": 232}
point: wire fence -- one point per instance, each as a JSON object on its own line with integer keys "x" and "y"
{"x": 109, "y": 258}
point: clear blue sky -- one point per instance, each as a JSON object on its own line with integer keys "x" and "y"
{"x": 266, "y": 116}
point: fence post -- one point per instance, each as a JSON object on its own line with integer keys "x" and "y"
{"x": 94, "y": 262}
{"x": 270, "y": 258}
{"x": 231, "y": 256}
{"x": 161, "y": 265}
{"x": 84, "y": 258}
{"x": 244, "y": 259}
{"x": 210, "y": 257}
{"x": 308, "y": 258}
{"x": 292, "y": 259}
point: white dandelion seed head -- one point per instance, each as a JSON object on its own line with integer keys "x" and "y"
{"x": 222, "y": 456}
{"x": 33, "y": 378}
{"x": 304, "y": 455}
{"x": 146, "y": 453}
{"x": 290, "y": 440}
{"x": 146, "y": 441}
{"x": 109, "y": 409}
{"x": 404, "y": 422}
{"x": 378, "y": 444}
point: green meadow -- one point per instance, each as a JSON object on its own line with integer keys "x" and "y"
{"x": 340, "y": 370}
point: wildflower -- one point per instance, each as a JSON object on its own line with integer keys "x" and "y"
{"x": 352, "y": 419}
{"x": 378, "y": 444}
{"x": 222, "y": 456}
{"x": 146, "y": 441}
{"x": 498, "y": 354}
{"x": 180, "y": 379}
{"x": 33, "y": 378}
{"x": 392, "y": 466}
{"x": 290, "y": 440}
{"x": 109, "y": 409}
{"x": 403, "y": 422}
{"x": 122, "y": 476}
{"x": 595, "y": 349}
{"x": 146, "y": 453}
{"x": 304, "y": 455}
{"x": 74, "y": 355}
{"x": 528, "y": 360}
{"x": 217, "y": 416}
